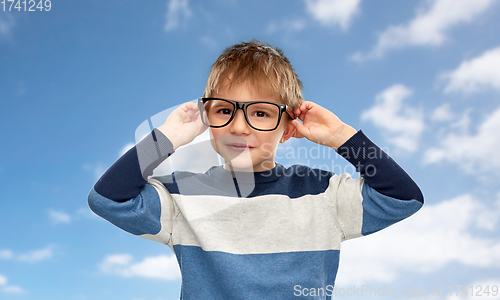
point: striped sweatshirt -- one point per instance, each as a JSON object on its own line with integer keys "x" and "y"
{"x": 254, "y": 235}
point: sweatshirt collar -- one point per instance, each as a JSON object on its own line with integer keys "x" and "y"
{"x": 228, "y": 176}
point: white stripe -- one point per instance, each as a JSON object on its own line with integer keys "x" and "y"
{"x": 166, "y": 216}
{"x": 269, "y": 223}
{"x": 346, "y": 197}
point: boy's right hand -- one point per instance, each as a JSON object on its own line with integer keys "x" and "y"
{"x": 183, "y": 125}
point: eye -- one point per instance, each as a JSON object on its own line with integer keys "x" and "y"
{"x": 225, "y": 111}
{"x": 260, "y": 114}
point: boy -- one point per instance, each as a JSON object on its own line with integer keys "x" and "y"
{"x": 283, "y": 226}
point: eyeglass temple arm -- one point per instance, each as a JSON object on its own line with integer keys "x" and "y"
{"x": 290, "y": 112}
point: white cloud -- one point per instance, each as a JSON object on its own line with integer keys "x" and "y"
{"x": 59, "y": 217}
{"x": 208, "y": 41}
{"x": 333, "y": 12}
{"x": 6, "y": 25}
{"x": 157, "y": 267}
{"x": 86, "y": 213}
{"x": 286, "y": 26}
{"x": 6, "y": 254}
{"x": 475, "y": 75}
{"x": 443, "y": 113}
{"x": 450, "y": 120}
{"x": 474, "y": 153}
{"x": 36, "y": 255}
{"x": 32, "y": 256}
{"x": 428, "y": 28}
{"x": 178, "y": 12}
{"x": 401, "y": 124}
{"x": 9, "y": 288}
{"x": 434, "y": 237}
{"x": 126, "y": 148}
{"x": 97, "y": 170}
{"x": 462, "y": 123}
{"x": 21, "y": 87}
{"x": 13, "y": 289}
{"x": 114, "y": 260}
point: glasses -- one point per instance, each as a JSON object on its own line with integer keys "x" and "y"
{"x": 260, "y": 115}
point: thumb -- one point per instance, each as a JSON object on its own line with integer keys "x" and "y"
{"x": 301, "y": 130}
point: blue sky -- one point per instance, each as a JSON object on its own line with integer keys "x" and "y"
{"x": 421, "y": 78}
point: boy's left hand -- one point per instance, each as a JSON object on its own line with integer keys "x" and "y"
{"x": 321, "y": 125}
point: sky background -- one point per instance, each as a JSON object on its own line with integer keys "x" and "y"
{"x": 421, "y": 78}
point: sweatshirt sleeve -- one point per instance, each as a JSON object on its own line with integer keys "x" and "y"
{"x": 378, "y": 169}
{"x": 128, "y": 175}
{"x": 384, "y": 194}
{"x": 124, "y": 196}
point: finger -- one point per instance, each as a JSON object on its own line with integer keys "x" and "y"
{"x": 201, "y": 127}
{"x": 297, "y": 111}
{"x": 191, "y": 112}
{"x": 192, "y": 106}
{"x": 300, "y": 130}
{"x": 299, "y": 108}
{"x": 304, "y": 108}
{"x": 189, "y": 106}
{"x": 195, "y": 116}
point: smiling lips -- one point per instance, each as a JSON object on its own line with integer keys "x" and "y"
{"x": 238, "y": 147}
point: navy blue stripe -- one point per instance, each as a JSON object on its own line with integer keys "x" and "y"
{"x": 123, "y": 180}
{"x": 294, "y": 182}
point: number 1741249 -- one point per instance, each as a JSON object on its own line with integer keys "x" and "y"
{"x": 26, "y": 5}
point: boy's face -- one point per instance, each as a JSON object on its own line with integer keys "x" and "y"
{"x": 261, "y": 148}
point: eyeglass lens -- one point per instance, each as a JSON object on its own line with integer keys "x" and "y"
{"x": 263, "y": 116}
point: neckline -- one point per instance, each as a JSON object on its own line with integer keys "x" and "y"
{"x": 228, "y": 176}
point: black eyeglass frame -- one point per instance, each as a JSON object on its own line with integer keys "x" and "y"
{"x": 243, "y": 106}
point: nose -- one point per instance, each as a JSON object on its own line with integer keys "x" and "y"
{"x": 239, "y": 124}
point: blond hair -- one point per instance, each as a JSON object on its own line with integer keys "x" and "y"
{"x": 259, "y": 64}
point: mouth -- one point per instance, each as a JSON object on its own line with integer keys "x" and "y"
{"x": 239, "y": 146}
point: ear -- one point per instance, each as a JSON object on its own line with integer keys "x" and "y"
{"x": 289, "y": 131}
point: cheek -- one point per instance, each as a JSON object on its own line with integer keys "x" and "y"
{"x": 214, "y": 134}
{"x": 270, "y": 140}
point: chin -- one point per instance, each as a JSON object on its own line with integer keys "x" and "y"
{"x": 241, "y": 163}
